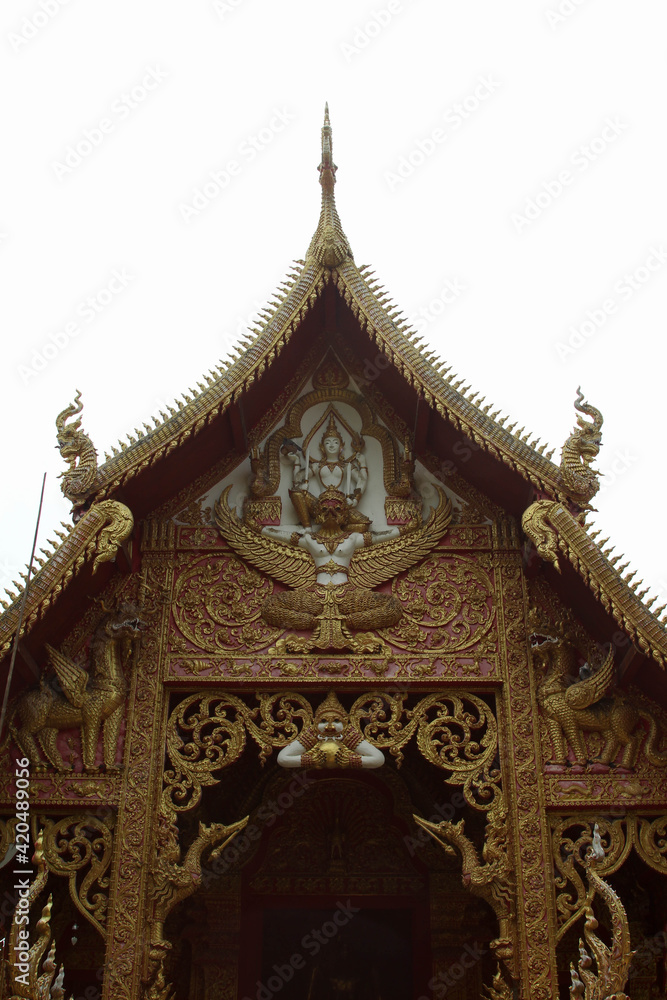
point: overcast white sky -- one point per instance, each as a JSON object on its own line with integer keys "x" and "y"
{"x": 512, "y": 151}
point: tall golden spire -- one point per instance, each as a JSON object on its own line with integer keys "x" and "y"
{"x": 329, "y": 245}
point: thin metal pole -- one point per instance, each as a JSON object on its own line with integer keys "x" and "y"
{"x": 21, "y": 611}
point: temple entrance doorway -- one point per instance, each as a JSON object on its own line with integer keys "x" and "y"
{"x": 333, "y": 903}
{"x": 333, "y": 892}
{"x": 339, "y": 949}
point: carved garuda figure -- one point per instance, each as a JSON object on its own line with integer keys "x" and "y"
{"x": 331, "y": 741}
{"x": 581, "y": 449}
{"x": 78, "y": 451}
{"x": 332, "y": 565}
{"x": 573, "y": 701}
{"x": 88, "y": 699}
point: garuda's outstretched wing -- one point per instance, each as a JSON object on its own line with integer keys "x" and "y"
{"x": 72, "y": 679}
{"x": 290, "y": 565}
{"x": 378, "y": 563}
{"x": 582, "y": 694}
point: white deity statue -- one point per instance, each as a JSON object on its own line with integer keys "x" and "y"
{"x": 332, "y": 470}
{"x": 331, "y": 742}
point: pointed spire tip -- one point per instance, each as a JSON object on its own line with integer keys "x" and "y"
{"x": 329, "y": 246}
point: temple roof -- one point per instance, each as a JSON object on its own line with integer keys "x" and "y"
{"x": 325, "y": 292}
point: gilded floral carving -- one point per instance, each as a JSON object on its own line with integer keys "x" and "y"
{"x": 79, "y": 849}
{"x": 447, "y": 605}
{"x": 217, "y": 605}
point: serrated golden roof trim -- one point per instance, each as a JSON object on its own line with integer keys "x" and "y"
{"x": 96, "y": 534}
{"x": 329, "y": 258}
{"x": 439, "y": 393}
{"x": 215, "y": 399}
{"x": 552, "y": 528}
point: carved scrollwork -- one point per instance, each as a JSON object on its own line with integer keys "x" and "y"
{"x": 34, "y": 976}
{"x": 217, "y": 605}
{"x": 447, "y": 604}
{"x": 455, "y": 732}
{"x": 650, "y": 839}
{"x": 79, "y": 845}
{"x": 572, "y": 837}
{"x": 208, "y": 732}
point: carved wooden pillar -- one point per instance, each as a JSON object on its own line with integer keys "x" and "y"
{"x": 522, "y": 763}
{"x": 128, "y": 933}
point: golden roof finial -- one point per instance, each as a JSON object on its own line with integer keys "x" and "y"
{"x": 329, "y": 245}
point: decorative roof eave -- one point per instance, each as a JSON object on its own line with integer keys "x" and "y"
{"x": 99, "y": 534}
{"x": 553, "y": 530}
{"x": 440, "y": 394}
{"x": 213, "y": 400}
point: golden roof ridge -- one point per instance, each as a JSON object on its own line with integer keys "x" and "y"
{"x": 375, "y": 312}
{"x": 197, "y": 410}
{"x": 442, "y": 389}
{"x": 98, "y": 533}
{"x": 553, "y": 529}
